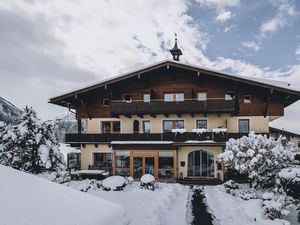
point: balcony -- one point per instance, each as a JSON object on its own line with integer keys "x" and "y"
{"x": 162, "y": 107}
{"x": 76, "y": 139}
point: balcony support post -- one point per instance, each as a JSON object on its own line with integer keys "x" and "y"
{"x": 85, "y": 108}
{"x": 79, "y": 126}
{"x": 236, "y": 100}
{"x": 268, "y": 102}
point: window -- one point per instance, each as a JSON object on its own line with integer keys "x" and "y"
{"x": 168, "y": 125}
{"x": 171, "y": 97}
{"x": 102, "y": 159}
{"x": 123, "y": 163}
{"x": 146, "y": 126}
{"x": 127, "y": 98}
{"x": 166, "y": 165}
{"x": 229, "y": 95}
{"x": 201, "y": 124}
{"x": 105, "y": 101}
{"x": 147, "y": 97}
{"x": 243, "y": 126}
{"x": 247, "y": 99}
{"x": 111, "y": 127}
{"x": 201, "y": 96}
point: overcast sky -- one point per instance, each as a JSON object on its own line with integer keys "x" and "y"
{"x": 50, "y": 47}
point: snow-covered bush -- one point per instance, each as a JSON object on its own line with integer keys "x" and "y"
{"x": 230, "y": 187}
{"x": 30, "y": 146}
{"x": 148, "y": 182}
{"x": 258, "y": 156}
{"x": 290, "y": 181}
{"x": 84, "y": 185}
{"x": 114, "y": 183}
{"x": 129, "y": 180}
{"x": 276, "y": 205}
{"x": 57, "y": 176}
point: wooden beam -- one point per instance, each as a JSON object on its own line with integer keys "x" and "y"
{"x": 268, "y": 102}
{"x": 198, "y": 74}
{"x": 236, "y": 99}
{"x": 140, "y": 115}
{"x": 85, "y": 108}
{"x": 153, "y": 115}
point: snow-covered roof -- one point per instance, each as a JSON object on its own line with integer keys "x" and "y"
{"x": 27, "y": 199}
{"x": 284, "y": 86}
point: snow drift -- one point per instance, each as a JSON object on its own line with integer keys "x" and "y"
{"x": 27, "y": 199}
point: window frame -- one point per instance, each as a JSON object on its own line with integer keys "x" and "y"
{"x": 239, "y": 120}
{"x": 143, "y": 127}
{"x": 174, "y": 96}
{"x": 198, "y": 120}
{"x": 201, "y": 92}
{"x": 173, "y": 125}
{"x": 111, "y": 122}
{"x": 144, "y": 97}
{"x": 103, "y": 159}
{"x": 232, "y": 98}
{"x": 103, "y": 101}
{"x": 245, "y": 101}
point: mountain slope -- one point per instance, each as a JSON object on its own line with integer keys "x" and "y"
{"x": 9, "y": 113}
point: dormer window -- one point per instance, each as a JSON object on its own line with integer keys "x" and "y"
{"x": 247, "y": 99}
{"x": 127, "y": 98}
{"x": 229, "y": 95}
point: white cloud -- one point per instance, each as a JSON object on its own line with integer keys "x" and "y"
{"x": 224, "y": 16}
{"x": 285, "y": 15}
{"x": 220, "y": 7}
{"x": 251, "y": 44}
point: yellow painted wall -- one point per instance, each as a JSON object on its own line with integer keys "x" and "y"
{"x": 258, "y": 124}
{"x": 183, "y": 156}
{"x": 87, "y": 154}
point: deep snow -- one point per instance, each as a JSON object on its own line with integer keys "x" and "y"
{"x": 29, "y": 200}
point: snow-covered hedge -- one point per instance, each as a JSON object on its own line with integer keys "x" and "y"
{"x": 57, "y": 177}
{"x": 260, "y": 157}
{"x": 290, "y": 181}
{"x": 114, "y": 183}
{"x": 148, "y": 182}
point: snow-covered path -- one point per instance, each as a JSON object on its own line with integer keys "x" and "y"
{"x": 166, "y": 205}
{"x": 177, "y": 213}
{"x": 230, "y": 210}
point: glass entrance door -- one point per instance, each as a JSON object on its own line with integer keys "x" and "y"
{"x": 200, "y": 164}
{"x": 149, "y": 165}
{"x": 137, "y": 167}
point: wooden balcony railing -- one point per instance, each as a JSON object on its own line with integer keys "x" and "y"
{"x": 188, "y": 136}
{"x": 162, "y": 107}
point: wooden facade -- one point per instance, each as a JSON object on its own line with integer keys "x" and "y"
{"x": 107, "y": 100}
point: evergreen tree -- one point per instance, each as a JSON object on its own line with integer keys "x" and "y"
{"x": 30, "y": 146}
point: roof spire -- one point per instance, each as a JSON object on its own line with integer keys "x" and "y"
{"x": 175, "y": 51}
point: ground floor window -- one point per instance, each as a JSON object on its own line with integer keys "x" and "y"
{"x": 201, "y": 164}
{"x": 102, "y": 159}
{"x": 122, "y": 163}
{"x": 73, "y": 161}
{"x": 166, "y": 165}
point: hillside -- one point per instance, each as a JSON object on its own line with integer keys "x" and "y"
{"x": 9, "y": 113}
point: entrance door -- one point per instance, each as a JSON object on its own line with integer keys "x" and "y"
{"x": 149, "y": 165}
{"x": 201, "y": 164}
{"x": 137, "y": 167}
{"x": 143, "y": 164}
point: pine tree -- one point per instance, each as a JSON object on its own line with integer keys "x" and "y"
{"x": 31, "y": 146}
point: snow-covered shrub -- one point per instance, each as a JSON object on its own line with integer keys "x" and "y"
{"x": 30, "y": 146}
{"x": 276, "y": 205}
{"x": 258, "y": 156}
{"x": 247, "y": 194}
{"x": 147, "y": 182}
{"x": 57, "y": 176}
{"x": 129, "y": 180}
{"x": 230, "y": 187}
{"x": 84, "y": 185}
{"x": 114, "y": 183}
{"x": 290, "y": 181}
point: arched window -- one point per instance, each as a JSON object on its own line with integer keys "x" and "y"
{"x": 201, "y": 164}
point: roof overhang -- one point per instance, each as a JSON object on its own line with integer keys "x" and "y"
{"x": 292, "y": 94}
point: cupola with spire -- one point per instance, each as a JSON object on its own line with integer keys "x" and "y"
{"x": 175, "y": 51}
